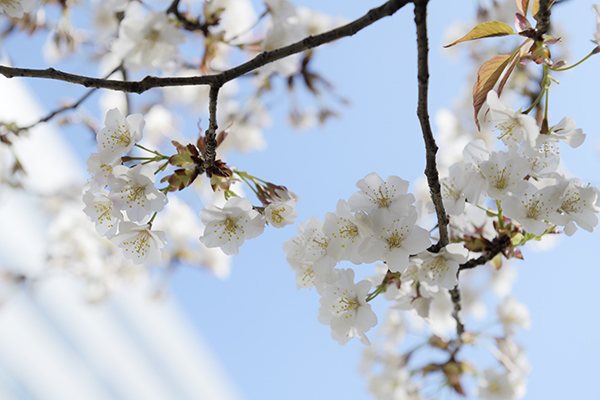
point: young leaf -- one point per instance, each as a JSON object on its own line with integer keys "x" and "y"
{"x": 511, "y": 66}
{"x": 523, "y": 5}
{"x": 484, "y": 30}
{"x": 487, "y": 76}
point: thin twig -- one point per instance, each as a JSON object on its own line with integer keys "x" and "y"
{"x": 498, "y": 246}
{"x": 431, "y": 148}
{"x": 261, "y": 59}
{"x": 187, "y": 24}
{"x": 460, "y": 327}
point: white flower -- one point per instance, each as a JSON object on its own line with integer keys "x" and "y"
{"x": 150, "y": 41}
{"x": 236, "y": 18}
{"x": 394, "y": 240}
{"x": 284, "y": 29}
{"x": 118, "y": 136}
{"x": 101, "y": 211}
{"x": 133, "y": 191}
{"x": 440, "y": 269}
{"x": 100, "y": 171}
{"x": 375, "y": 193}
{"x": 230, "y": 226}
{"x": 315, "y": 22}
{"x": 513, "y": 314}
{"x": 515, "y": 127}
{"x": 504, "y": 173}
{"x": 346, "y": 233}
{"x": 533, "y": 207}
{"x": 281, "y": 213}
{"x": 316, "y": 250}
{"x": 577, "y": 204}
{"x": 16, "y": 8}
{"x": 139, "y": 243}
{"x": 565, "y": 131}
{"x": 344, "y": 308}
{"x": 455, "y": 188}
{"x": 500, "y": 386}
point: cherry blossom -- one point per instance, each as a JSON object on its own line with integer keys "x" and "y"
{"x": 375, "y": 193}
{"x": 133, "y": 191}
{"x": 577, "y": 205}
{"x": 148, "y": 41}
{"x": 504, "y": 173}
{"x": 346, "y": 232}
{"x": 533, "y": 207}
{"x": 514, "y": 126}
{"x": 440, "y": 269}
{"x": 344, "y": 308}
{"x": 280, "y": 214}
{"x": 512, "y": 314}
{"x": 139, "y": 243}
{"x": 230, "y": 226}
{"x": 394, "y": 240}
{"x": 118, "y": 136}
{"x": 16, "y": 8}
{"x": 101, "y": 211}
{"x": 500, "y": 386}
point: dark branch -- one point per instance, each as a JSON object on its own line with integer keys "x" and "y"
{"x": 498, "y": 246}
{"x": 431, "y": 148}
{"x": 543, "y": 15}
{"x": 150, "y": 82}
{"x": 72, "y": 106}
{"x": 186, "y": 23}
{"x": 211, "y": 132}
{"x": 455, "y": 295}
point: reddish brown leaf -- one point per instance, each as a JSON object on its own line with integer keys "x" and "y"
{"x": 484, "y": 30}
{"x": 523, "y": 5}
{"x": 487, "y": 76}
{"x": 511, "y": 66}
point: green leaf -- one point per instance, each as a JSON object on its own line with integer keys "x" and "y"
{"x": 486, "y": 29}
{"x": 487, "y": 76}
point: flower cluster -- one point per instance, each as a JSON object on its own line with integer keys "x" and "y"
{"x": 121, "y": 200}
{"x": 229, "y": 226}
{"x": 378, "y": 223}
{"x": 524, "y": 179}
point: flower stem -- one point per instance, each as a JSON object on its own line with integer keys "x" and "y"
{"x": 574, "y": 65}
{"x": 151, "y": 151}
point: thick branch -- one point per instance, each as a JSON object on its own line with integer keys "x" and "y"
{"x": 150, "y": 82}
{"x": 431, "y": 148}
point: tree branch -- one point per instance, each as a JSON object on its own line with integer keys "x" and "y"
{"x": 498, "y": 246}
{"x": 72, "y": 106}
{"x": 544, "y": 12}
{"x": 460, "y": 327}
{"x": 431, "y": 148}
{"x": 218, "y": 80}
{"x": 211, "y": 133}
